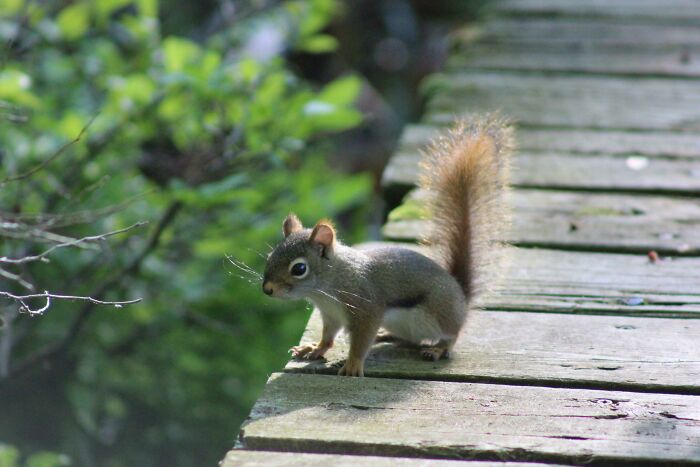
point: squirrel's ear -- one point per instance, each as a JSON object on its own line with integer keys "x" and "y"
{"x": 324, "y": 234}
{"x": 291, "y": 224}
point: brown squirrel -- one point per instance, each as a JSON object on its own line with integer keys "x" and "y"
{"x": 408, "y": 294}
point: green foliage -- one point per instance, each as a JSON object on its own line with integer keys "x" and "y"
{"x": 203, "y": 138}
{"x": 10, "y": 457}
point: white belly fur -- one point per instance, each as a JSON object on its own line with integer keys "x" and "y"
{"x": 329, "y": 308}
{"x": 412, "y": 324}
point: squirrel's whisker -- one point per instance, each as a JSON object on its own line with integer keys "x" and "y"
{"x": 354, "y": 295}
{"x": 243, "y": 267}
{"x": 332, "y": 297}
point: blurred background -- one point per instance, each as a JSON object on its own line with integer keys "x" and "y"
{"x": 210, "y": 121}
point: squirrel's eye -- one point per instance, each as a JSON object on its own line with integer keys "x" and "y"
{"x": 298, "y": 268}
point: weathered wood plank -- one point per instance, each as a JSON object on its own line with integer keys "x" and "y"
{"x": 575, "y": 46}
{"x": 653, "y": 144}
{"x": 570, "y": 171}
{"x": 676, "y": 10}
{"x": 633, "y": 354}
{"x": 569, "y": 101}
{"x": 681, "y": 63}
{"x": 330, "y": 414}
{"x": 584, "y": 221}
{"x": 577, "y": 282}
{"x": 241, "y": 458}
{"x": 599, "y": 159}
{"x": 663, "y": 162}
{"x": 582, "y": 36}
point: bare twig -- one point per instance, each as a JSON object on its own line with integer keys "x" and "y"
{"x": 51, "y": 158}
{"x": 48, "y": 296}
{"x": 92, "y": 238}
{"x": 25, "y": 232}
{"x": 56, "y": 348}
{"x": 45, "y": 220}
{"x": 16, "y": 278}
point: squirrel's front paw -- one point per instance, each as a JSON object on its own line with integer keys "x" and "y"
{"x": 308, "y": 352}
{"x": 300, "y": 351}
{"x": 352, "y": 368}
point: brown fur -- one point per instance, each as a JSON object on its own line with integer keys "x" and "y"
{"x": 467, "y": 173}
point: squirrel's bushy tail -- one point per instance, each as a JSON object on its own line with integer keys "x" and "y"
{"x": 466, "y": 172}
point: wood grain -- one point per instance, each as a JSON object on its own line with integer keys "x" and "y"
{"x": 678, "y": 62}
{"x": 651, "y": 10}
{"x": 576, "y": 171}
{"x": 568, "y": 101}
{"x": 589, "y": 221}
{"x": 241, "y": 458}
{"x": 663, "y": 163}
{"x": 671, "y": 145}
{"x": 581, "y": 36}
{"x": 577, "y": 45}
{"x": 370, "y": 416}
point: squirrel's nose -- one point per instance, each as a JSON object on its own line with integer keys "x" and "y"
{"x": 267, "y": 288}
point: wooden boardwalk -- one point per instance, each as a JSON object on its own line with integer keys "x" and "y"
{"x": 589, "y": 353}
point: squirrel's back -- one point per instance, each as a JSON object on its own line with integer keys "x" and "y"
{"x": 466, "y": 172}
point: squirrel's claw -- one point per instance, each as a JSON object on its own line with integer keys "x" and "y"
{"x": 352, "y": 368}
{"x": 300, "y": 351}
{"x": 308, "y": 352}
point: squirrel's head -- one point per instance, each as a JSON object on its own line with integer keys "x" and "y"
{"x": 297, "y": 265}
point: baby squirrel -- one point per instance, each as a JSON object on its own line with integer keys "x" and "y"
{"x": 408, "y": 294}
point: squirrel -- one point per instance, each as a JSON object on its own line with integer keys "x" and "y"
{"x": 413, "y": 297}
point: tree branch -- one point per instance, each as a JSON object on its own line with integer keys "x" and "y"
{"x": 48, "y": 296}
{"x": 92, "y": 238}
{"x": 51, "y": 158}
{"x": 17, "y": 278}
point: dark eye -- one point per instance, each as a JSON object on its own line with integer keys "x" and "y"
{"x": 298, "y": 268}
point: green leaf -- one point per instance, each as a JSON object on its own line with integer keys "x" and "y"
{"x": 178, "y": 53}
{"x": 324, "y": 116}
{"x": 148, "y": 7}
{"x": 249, "y": 69}
{"x": 318, "y": 44}
{"x": 48, "y": 459}
{"x": 9, "y": 455}
{"x": 317, "y": 14}
{"x": 9, "y": 8}
{"x": 71, "y": 124}
{"x": 103, "y": 8}
{"x": 14, "y": 87}
{"x": 73, "y": 21}
{"x": 343, "y": 91}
